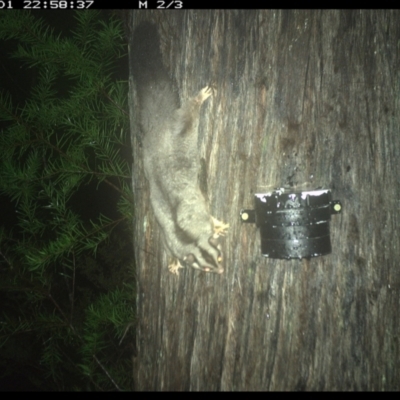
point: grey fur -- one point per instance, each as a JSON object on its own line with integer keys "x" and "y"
{"x": 171, "y": 158}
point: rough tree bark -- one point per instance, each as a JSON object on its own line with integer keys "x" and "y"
{"x": 303, "y": 96}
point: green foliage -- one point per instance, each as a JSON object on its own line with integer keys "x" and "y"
{"x": 66, "y": 262}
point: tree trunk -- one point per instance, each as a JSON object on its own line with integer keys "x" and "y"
{"x": 302, "y": 97}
